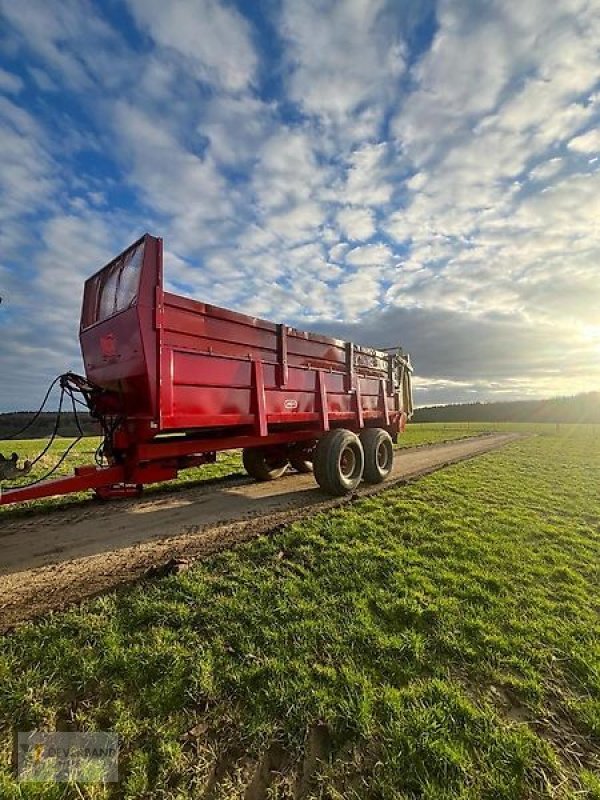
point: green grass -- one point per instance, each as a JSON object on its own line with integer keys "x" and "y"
{"x": 418, "y": 434}
{"x": 447, "y": 633}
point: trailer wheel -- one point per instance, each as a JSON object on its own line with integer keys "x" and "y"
{"x": 379, "y": 454}
{"x": 263, "y": 465}
{"x": 339, "y": 462}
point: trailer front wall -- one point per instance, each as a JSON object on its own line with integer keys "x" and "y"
{"x": 120, "y": 348}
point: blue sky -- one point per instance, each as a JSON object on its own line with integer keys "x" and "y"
{"x": 406, "y": 172}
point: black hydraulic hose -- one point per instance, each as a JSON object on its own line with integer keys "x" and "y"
{"x": 49, "y": 473}
{"x": 66, "y": 388}
{"x": 37, "y": 413}
{"x": 51, "y": 441}
{"x": 75, "y": 412}
{"x": 54, "y": 432}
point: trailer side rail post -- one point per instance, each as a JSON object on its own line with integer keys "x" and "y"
{"x": 165, "y": 381}
{"x": 383, "y": 402}
{"x": 260, "y": 405}
{"x": 349, "y": 376}
{"x": 282, "y": 355}
{"x": 322, "y": 397}
{"x": 358, "y": 403}
{"x": 159, "y": 315}
{"x": 392, "y": 365}
{"x": 398, "y": 393}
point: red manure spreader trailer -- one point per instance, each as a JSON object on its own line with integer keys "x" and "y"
{"x": 172, "y": 381}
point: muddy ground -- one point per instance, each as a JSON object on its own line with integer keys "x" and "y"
{"x": 49, "y": 561}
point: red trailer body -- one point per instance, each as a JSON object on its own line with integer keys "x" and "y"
{"x": 174, "y": 380}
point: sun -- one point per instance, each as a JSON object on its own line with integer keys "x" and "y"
{"x": 591, "y": 334}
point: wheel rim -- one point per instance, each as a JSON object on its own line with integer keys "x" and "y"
{"x": 383, "y": 456}
{"x": 348, "y": 462}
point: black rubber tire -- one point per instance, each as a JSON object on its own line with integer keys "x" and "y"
{"x": 301, "y": 465}
{"x": 379, "y": 454}
{"x": 263, "y": 466}
{"x": 339, "y": 462}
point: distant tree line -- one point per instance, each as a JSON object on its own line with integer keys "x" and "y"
{"x": 579, "y": 408}
{"x": 12, "y": 423}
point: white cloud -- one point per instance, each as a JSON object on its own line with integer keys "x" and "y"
{"x": 369, "y": 255}
{"x": 547, "y": 169}
{"x": 214, "y": 39}
{"x": 9, "y": 82}
{"x": 84, "y": 241}
{"x": 588, "y": 143}
{"x": 44, "y": 301}
{"x": 469, "y": 217}
{"x": 357, "y": 223}
{"x": 42, "y": 79}
{"x": 71, "y": 39}
{"x": 300, "y": 222}
{"x": 477, "y": 66}
{"x": 287, "y": 171}
{"x": 175, "y": 182}
{"x": 338, "y": 251}
{"x": 367, "y": 180}
{"x": 236, "y": 126}
{"x": 358, "y": 294}
{"x": 342, "y": 55}
{"x": 28, "y": 175}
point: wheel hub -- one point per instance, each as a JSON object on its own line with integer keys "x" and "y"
{"x": 382, "y": 456}
{"x": 348, "y": 462}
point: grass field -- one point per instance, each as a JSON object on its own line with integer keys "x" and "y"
{"x": 440, "y": 640}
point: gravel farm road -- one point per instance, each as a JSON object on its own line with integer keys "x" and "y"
{"x": 51, "y": 560}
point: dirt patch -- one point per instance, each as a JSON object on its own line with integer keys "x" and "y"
{"x": 317, "y": 750}
{"x": 272, "y": 764}
{"x": 575, "y": 750}
{"x": 275, "y": 772}
{"x": 51, "y": 561}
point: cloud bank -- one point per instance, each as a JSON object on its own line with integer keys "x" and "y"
{"x": 416, "y": 173}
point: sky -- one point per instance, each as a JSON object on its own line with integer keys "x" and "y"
{"x": 409, "y": 172}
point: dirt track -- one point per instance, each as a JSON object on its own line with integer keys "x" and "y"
{"x": 48, "y": 561}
